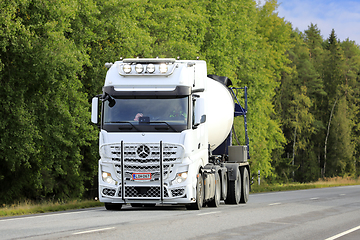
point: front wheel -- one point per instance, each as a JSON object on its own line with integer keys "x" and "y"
{"x": 199, "y": 194}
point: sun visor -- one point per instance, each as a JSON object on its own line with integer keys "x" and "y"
{"x": 178, "y": 91}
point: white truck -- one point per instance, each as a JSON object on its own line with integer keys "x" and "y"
{"x": 166, "y": 133}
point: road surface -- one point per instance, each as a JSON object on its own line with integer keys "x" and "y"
{"x": 324, "y": 214}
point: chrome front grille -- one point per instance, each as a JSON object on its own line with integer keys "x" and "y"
{"x": 144, "y": 158}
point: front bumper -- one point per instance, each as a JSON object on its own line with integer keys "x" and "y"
{"x": 147, "y": 194}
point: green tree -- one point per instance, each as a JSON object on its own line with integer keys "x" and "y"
{"x": 352, "y": 77}
{"x": 340, "y": 161}
{"x": 294, "y": 102}
{"x": 270, "y": 62}
{"x": 46, "y": 114}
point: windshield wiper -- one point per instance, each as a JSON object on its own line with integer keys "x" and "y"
{"x": 167, "y": 125}
{"x": 128, "y": 123}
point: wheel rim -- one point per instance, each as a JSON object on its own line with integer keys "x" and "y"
{"x": 246, "y": 185}
{"x": 218, "y": 191}
{"x": 200, "y": 191}
{"x": 238, "y": 189}
{"x": 224, "y": 186}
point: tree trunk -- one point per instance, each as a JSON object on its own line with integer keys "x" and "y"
{"x": 326, "y": 139}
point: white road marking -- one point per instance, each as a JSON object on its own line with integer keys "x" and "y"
{"x": 95, "y": 230}
{"x": 201, "y": 214}
{"x": 272, "y": 204}
{"x": 343, "y": 233}
{"x": 314, "y": 198}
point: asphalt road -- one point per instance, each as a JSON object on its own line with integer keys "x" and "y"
{"x": 324, "y": 214}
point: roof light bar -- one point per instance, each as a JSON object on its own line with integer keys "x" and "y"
{"x": 143, "y": 66}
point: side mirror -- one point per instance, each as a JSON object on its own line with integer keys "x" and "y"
{"x": 108, "y": 97}
{"x": 95, "y": 110}
{"x": 200, "y": 116}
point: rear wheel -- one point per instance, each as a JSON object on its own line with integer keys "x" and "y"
{"x": 224, "y": 185}
{"x": 113, "y": 206}
{"x": 215, "y": 202}
{"x": 245, "y": 185}
{"x": 234, "y": 190}
{"x": 199, "y": 194}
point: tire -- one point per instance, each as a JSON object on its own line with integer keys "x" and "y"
{"x": 234, "y": 190}
{"x": 199, "y": 195}
{"x": 113, "y": 206}
{"x": 224, "y": 185}
{"x": 245, "y": 185}
{"x": 215, "y": 202}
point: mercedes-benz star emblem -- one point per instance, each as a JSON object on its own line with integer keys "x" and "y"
{"x": 143, "y": 151}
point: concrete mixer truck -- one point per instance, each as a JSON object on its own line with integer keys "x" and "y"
{"x": 166, "y": 136}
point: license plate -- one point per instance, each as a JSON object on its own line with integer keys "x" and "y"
{"x": 141, "y": 176}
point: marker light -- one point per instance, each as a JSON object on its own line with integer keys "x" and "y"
{"x": 150, "y": 68}
{"x": 163, "y": 68}
{"x": 139, "y": 68}
{"x": 127, "y": 68}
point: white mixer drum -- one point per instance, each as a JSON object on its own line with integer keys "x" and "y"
{"x": 220, "y": 112}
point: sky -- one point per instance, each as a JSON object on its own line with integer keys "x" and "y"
{"x": 341, "y": 15}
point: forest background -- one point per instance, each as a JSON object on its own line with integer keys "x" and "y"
{"x": 303, "y": 90}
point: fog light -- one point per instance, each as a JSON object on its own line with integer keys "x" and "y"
{"x": 106, "y": 177}
{"x": 180, "y": 177}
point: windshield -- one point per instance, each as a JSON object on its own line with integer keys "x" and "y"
{"x": 154, "y": 114}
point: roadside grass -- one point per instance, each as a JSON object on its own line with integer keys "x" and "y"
{"x": 30, "y": 207}
{"x": 322, "y": 183}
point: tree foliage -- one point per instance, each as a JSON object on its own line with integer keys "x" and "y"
{"x": 303, "y": 90}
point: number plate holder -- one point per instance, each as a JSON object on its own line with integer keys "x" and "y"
{"x": 141, "y": 176}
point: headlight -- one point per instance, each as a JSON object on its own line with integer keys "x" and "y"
{"x": 139, "y": 68}
{"x": 127, "y": 68}
{"x": 106, "y": 177}
{"x": 163, "y": 68}
{"x": 180, "y": 177}
{"x": 150, "y": 68}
